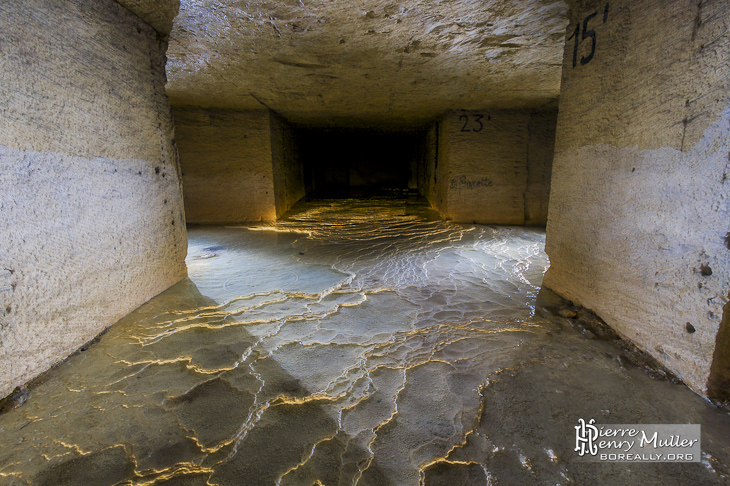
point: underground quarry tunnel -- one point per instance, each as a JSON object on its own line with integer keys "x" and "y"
{"x": 415, "y": 242}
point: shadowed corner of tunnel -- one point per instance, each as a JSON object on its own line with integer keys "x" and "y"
{"x": 718, "y": 384}
{"x": 282, "y": 440}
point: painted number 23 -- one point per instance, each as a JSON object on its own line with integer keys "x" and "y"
{"x": 476, "y": 123}
{"x": 587, "y": 34}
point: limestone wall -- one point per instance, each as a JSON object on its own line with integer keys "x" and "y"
{"x": 540, "y": 152}
{"x": 287, "y": 165}
{"x": 158, "y": 13}
{"x": 91, "y": 216}
{"x": 494, "y": 167}
{"x": 639, "y": 223}
{"x": 428, "y": 163}
{"x": 226, "y": 159}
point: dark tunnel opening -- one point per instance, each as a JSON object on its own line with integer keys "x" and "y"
{"x": 359, "y": 163}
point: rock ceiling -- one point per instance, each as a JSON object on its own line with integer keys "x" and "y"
{"x": 369, "y": 61}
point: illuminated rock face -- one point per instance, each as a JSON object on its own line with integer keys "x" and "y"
{"x": 492, "y": 167}
{"x": 237, "y": 166}
{"x": 639, "y": 219}
{"x": 354, "y": 342}
{"x": 91, "y": 218}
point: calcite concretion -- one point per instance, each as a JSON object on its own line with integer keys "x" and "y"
{"x": 350, "y": 343}
{"x": 91, "y": 216}
{"x": 639, "y": 219}
{"x": 376, "y": 62}
{"x": 492, "y": 167}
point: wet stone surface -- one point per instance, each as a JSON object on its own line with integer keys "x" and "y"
{"x": 354, "y": 342}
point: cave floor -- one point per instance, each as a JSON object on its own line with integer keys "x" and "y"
{"x": 352, "y": 342}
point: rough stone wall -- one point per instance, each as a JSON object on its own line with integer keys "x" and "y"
{"x": 158, "y": 13}
{"x": 493, "y": 167}
{"x": 428, "y": 164}
{"x": 393, "y": 65}
{"x": 441, "y": 172}
{"x": 91, "y": 217}
{"x": 226, "y": 159}
{"x": 639, "y": 221}
{"x": 540, "y": 152}
{"x": 287, "y": 165}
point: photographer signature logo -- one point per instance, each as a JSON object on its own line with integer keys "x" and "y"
{"x": 586, "y": 435}
{"x": 638, "y": 442}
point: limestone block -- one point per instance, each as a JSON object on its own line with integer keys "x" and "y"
{"x": 226, "y": 159}
{"x": 639, "y": 217}
{"x": 91, "y": 216}
{"x": 494, "y": 166}
{"x": 286, "y": 165}
{"x": 540, "y": 153}
{"x": 158, "y": 13}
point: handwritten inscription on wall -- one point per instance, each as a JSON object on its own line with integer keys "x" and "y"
{"x": 465, "y": 182}
{"x": 586, "y": 34}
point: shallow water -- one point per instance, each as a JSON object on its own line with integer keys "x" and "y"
{"x": 354, "y": 342}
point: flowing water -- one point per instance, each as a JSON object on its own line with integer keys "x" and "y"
{"x": 353, "y": 342}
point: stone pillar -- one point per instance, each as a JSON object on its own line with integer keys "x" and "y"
{"x": 91, "y": 214}
{"x": 493, "y": 167}
{"x": 226, "y": 164}
{"x": 238, "y": 166}
{"x": 639, "y": 224}
{"x": 287, "y": 165}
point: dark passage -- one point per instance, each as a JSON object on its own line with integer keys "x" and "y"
{"x": 342, "y": 163}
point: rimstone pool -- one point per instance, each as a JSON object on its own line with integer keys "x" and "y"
{"x": 353, "y": 342}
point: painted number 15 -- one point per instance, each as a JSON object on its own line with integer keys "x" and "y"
{"x": 587, "y": 34}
